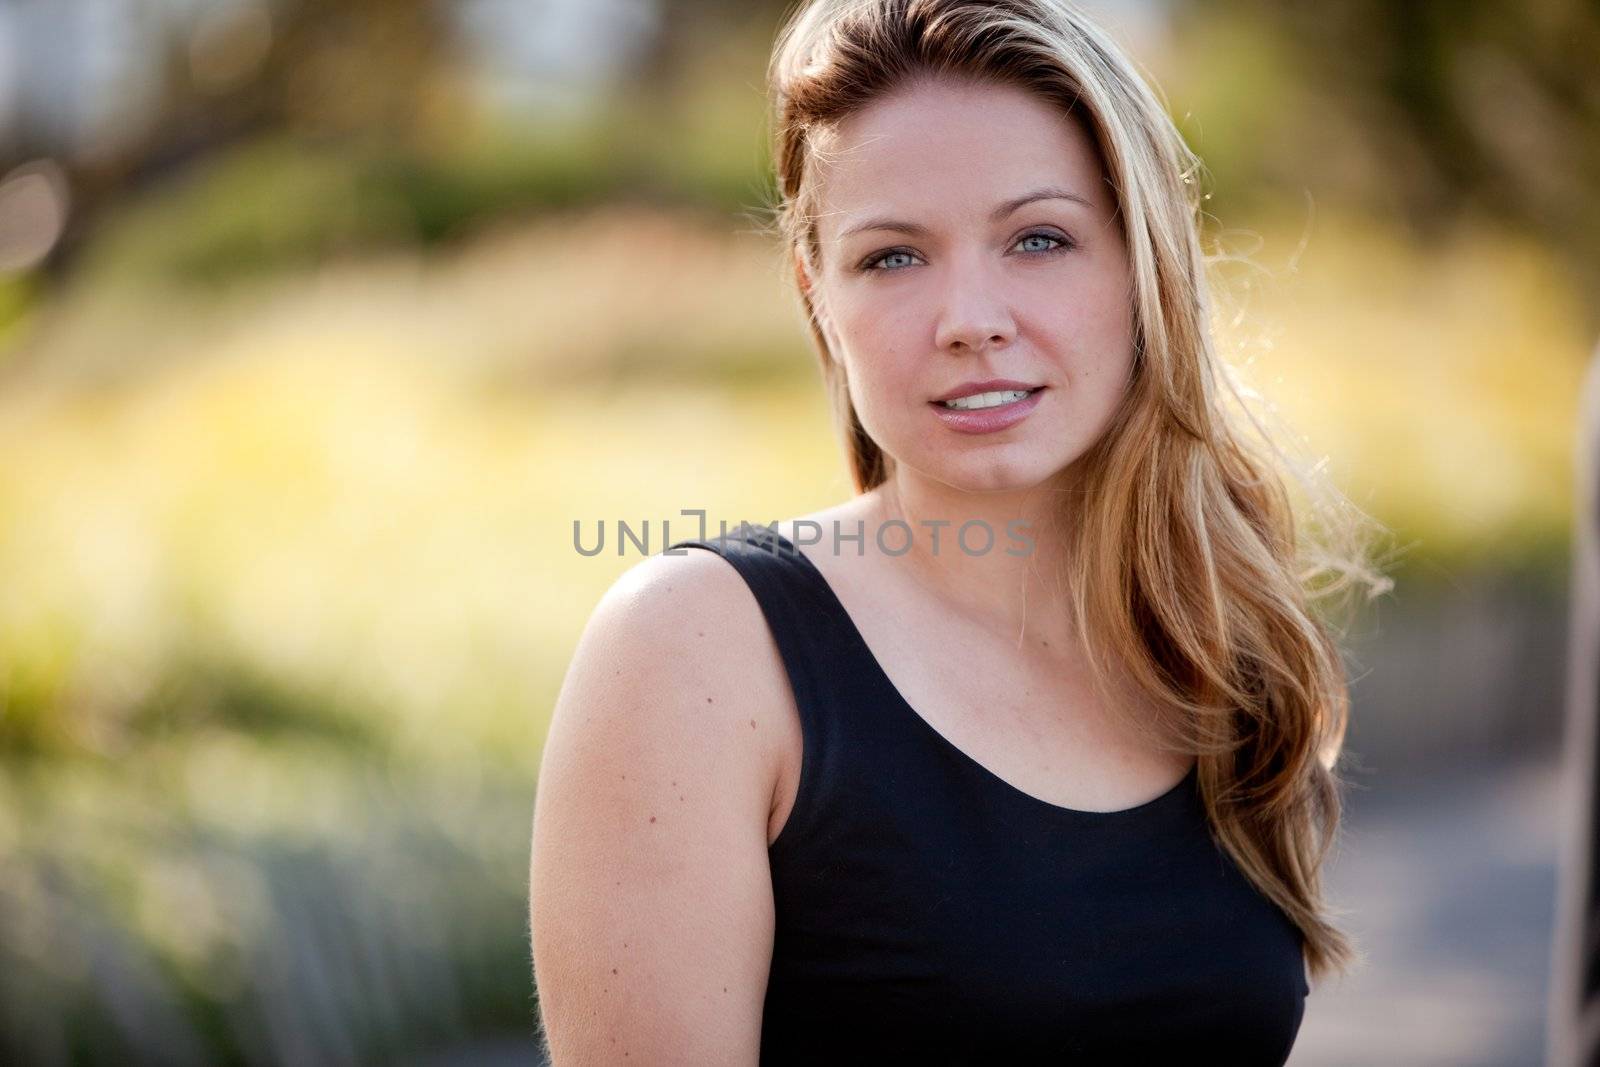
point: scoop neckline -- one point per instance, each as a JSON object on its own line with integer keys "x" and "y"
{"x": 882, "y": 679}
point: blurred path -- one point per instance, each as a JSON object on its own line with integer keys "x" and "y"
{"x": 1449, "y": 879}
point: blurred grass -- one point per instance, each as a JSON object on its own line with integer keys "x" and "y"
{"x": 288, "y": 588}
{"x": 347, "y": 520}
{"x": 1440, "y": 384}
{"x": 231, "y": 901}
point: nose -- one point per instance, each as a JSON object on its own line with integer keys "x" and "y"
{"x": 974, "y": 315}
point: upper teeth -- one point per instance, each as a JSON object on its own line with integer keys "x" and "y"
{"x": 986, "y": 400}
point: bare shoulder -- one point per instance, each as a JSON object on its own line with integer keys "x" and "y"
{"x": 677, "y": 654}
{"x": 650, "y": 895}
{"x": 667, "y": 594}
{"x": 689, "y": 626}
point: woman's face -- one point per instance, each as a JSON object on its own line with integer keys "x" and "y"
{"x": 968, "y": 234}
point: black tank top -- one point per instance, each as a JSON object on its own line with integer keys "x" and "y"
{"x": 929, "y": 912}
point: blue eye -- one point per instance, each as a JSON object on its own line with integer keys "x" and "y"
{"x": 1062, "y": 244}
{"x": 871, "y": 264}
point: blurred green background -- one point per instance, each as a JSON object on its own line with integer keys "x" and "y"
{"x": 322, "y": 322}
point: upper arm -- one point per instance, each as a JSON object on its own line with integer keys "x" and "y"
{"x": 650, "y": 898}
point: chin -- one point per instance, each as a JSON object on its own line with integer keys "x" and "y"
{"x": 993, "y": 474}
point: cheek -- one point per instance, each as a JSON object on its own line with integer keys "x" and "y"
{"x": 881, "y": 365}
{"x": 870, "y": 326}
{"x": 881, "y": 387}
{"x": 1095, "y": 336}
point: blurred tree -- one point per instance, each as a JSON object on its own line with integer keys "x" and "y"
{"x": 1464, "y": 105}
{"x": 684, "y": 28}
{"x": 375, "y": 72}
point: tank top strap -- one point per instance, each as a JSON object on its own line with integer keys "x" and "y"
{"x": 807, "y": 621}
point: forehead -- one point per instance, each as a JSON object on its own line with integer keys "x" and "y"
{"x": 948, "y": 152}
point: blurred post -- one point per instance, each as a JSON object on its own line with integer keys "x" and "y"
{"x": 1574, "y": 1005}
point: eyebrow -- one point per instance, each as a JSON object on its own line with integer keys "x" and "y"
{"x": 913, "y": 229}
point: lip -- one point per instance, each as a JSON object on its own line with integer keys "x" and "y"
{"x": 987, "y": 385}
{"x": 989, "y": 420}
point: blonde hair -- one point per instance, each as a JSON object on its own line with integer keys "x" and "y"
{"x": 1185, "y": 572}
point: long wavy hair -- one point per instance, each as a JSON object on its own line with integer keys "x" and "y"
{"x": 1186, "y": 571}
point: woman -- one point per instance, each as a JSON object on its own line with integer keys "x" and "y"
{"x": 1059, "y": 792}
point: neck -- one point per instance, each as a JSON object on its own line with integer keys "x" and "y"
{"x": 1003, "y": 574}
